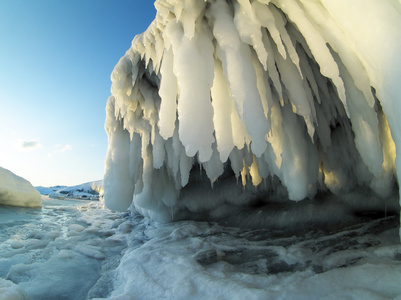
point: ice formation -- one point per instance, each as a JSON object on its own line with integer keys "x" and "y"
{"x": 223, "y": 106}
{"x": 17, "y": 191}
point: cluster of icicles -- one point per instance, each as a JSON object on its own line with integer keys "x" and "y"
{"x": 270, "y": 91}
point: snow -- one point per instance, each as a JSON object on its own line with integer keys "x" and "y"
{"x": 17, "y": 191}
{"x": 221, "y": 108}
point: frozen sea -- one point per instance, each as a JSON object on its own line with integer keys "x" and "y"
{"x": 72, "y": 249}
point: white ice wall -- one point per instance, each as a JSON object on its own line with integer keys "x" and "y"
{"x": 279, "y": 93}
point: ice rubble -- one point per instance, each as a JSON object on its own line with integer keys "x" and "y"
{"x": 17, "y": 191}
{"x": 269, "y": 100}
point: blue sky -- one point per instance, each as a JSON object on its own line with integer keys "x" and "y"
{"x": 56, "y": 57}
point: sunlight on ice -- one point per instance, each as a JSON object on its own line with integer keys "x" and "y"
{"x": 17, "y": 191}
{"x": 295, "y": 99}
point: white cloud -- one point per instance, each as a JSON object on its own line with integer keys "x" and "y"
{"x": 62, "y": 148}
{"x": 28, "y": 145}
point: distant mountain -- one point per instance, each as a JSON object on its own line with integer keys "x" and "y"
{"x": 89, "y": 190}
{"x": 49, "y": 190}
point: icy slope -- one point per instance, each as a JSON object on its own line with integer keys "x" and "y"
{"x": 221, "y": 107}
{"x": 17, "y": 191}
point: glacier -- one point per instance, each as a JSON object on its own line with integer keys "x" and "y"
{"x": 17, "y": 191}
{"x": 262, "y": 113}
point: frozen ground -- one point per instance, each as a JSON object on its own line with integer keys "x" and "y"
{"x": 78, "y": 250}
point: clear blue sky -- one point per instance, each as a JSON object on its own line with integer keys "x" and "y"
{"x": 56, "y": 57}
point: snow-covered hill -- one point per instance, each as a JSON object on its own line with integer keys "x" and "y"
{"x": 89, "y": 190}
{"x": 49, "y": 190}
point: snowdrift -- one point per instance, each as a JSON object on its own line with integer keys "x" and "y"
{"x": 228, "y": 110}
{"x": 17, "y": 191}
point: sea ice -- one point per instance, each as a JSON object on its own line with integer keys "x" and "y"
{"x": 11, "y": 291}
{"x": 65, "y": 250}
{"x": 198, "y": 260}
{"x": 122, "y": 256}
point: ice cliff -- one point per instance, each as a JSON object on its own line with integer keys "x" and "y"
{"x": 223, "y": 109}
{"x": 17, "y": 191}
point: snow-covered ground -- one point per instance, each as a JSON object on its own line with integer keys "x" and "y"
{"x": 74, "y": 249}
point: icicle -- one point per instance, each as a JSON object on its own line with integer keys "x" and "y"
{"x": 222, "y": 102}
{"x": 286, "y": 38}
{"x": 118, "y": 181}
{"x": 263, "y": 88}
{"x": 195, "y": 112}
{"x": 229, "y": 43}
{"x": 269, "y": 90}
{"x": 275, "y": 135}
{"x": 168, "y": 93}
{"x": 250, "y": 30}
{"x": 297, "y": 95}
{"x": 214, "y": 167}
{"x": 271, "y": 68}
{"x": 158, "y": 151}
{"x": 266, "y": 19}
{"x": 328, "y": 66}
{"x": 336, "y": 39}
{"x": 254, "y": 172}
